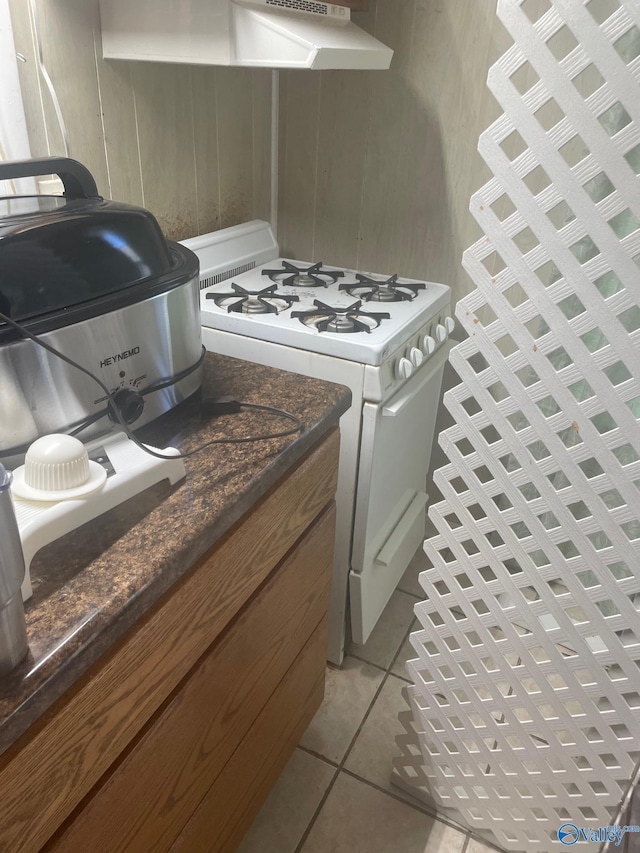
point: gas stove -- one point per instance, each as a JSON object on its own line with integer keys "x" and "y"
{"x": 363, "y": 317}
{"x": 382, "y": 335}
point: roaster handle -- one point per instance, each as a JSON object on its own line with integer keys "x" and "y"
{"x": 77, "y": 179}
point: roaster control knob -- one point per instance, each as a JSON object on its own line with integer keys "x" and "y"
{"x": 428, "y": 344}
{"x": 404, "y": 368}
{"x": 449, "y": 324}
{"x": 441, "y": 333}
{"x": 415, "y": 356}
{"x": 129, "y": 403}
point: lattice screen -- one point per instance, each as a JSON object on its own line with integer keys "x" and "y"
{"x": 526, "y": 696}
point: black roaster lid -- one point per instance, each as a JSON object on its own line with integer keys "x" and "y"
{"x": 67, "y": 258}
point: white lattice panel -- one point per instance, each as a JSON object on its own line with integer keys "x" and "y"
{"x": 526, "y": 693}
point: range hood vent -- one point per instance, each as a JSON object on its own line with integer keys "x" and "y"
{"x": 250, "y": 33}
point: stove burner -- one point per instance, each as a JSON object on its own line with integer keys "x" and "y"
{"x": 344, "y": 320}
{"x": 265, "y": 301}
{"x": 390, "y": 290}
{"x": 315, "y": 276}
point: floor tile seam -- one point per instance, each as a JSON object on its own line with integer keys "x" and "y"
{"x": 318, "y": 755}
{"x": 340, "y": 765}
{"x": 400, "y": 648}
{"x": 364, "y": 719}
{"x": 404, "y": 678}
{"x": 368, "y": 662}
{"x": 405, "y": 637}
{"x": 412, "y": 594}
{"x": 423, "y": 808}
{"x": 314, "y": 816}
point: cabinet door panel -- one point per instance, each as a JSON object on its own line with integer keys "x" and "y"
{"x": 48, "y": 772}
{"x": 235, "y": 798}
{"x": 147, "y": 800}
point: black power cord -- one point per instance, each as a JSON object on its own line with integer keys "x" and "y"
{"x": 224, "y": 405}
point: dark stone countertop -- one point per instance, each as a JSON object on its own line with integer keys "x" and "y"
{"x": 93, "y": 584}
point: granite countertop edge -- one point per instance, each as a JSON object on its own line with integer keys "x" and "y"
{"x": 67, "y": 663}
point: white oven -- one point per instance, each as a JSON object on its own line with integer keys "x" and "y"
{"x": 395, "y": 449}
{"x": 386, "y": 338}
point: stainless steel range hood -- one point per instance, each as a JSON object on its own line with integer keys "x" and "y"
{"x": 254, "y": 33}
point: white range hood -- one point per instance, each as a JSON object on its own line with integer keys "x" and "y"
{"x": 253, "y": 33}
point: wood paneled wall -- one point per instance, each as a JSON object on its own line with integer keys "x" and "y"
{"x": 376, "y": 168}
{"x": 190, "y": 143}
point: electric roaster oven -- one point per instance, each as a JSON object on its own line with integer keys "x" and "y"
{"x": 96, "y": 280}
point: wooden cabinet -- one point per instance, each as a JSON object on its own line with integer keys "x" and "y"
{"x": 173, "y": 740}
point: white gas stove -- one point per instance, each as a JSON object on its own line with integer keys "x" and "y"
{"x": 339, "y": 312}
{"x": 385, "y": 337}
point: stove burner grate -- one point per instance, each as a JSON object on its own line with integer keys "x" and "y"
{"x": 265, "y": 301}
{"x": 343, "y": 320}
{"x": 391, "y": 290}
{"x": 290, "y": 275}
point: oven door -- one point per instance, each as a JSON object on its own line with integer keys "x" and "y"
{"x": 390, "y": 504}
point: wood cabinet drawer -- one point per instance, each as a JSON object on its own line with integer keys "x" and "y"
{"x": 149, "y": 797}
{"x": 55, "y": 765}
{"x": 231, "y": 804}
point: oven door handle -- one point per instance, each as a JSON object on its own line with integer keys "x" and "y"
{"x": 426, "y": 374}
{"x": 402, "y": 529}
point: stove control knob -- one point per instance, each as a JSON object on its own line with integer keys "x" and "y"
{"x": 404, "y": 368}
{"x": 428, "y": 345}
{"x": 449, "y": 324}
{"x": 441, "y": 333}
{"x": 415, "y": 356}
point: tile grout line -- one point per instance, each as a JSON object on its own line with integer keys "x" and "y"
{"x": 368, "y": 662}
{"x": 339, "y": 768}
{"x": 400, "y": 648}
{"x": 412, "y": 594}
{"x": 309, "y": 826}
{"x": 416, "y": 805}
{"x": 364, "y": 719}
{"x": 377, "y": 666}
{"x": 319, "y": 756}
{"x": 423, "y": 808}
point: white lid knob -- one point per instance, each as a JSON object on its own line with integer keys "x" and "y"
{"x": 449, "y": 324}
{"x": 56, "y": 468}
{"x": 404, "y": 368}
{"x": 415, "y": 356}
{"x": 56, "y": 462}
{"x": 441, "y": 333}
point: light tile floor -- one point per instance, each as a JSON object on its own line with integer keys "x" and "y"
{"x": 335, "y": 794}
